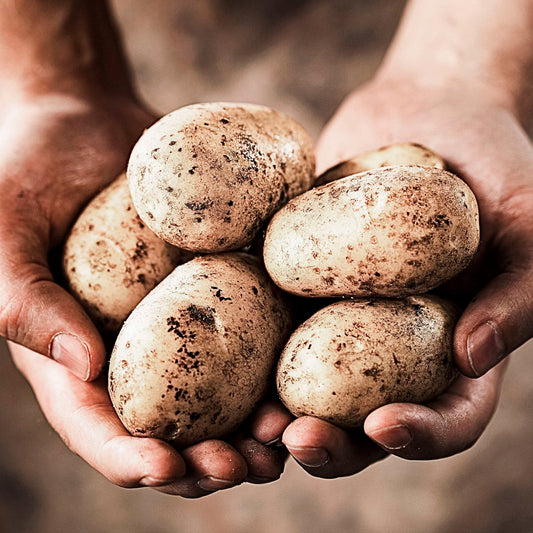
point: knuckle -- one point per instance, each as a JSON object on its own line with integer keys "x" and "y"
{"x": 19, "y": 303}
{"x": 13, "y": 310}
{"x": 106, "y": 464}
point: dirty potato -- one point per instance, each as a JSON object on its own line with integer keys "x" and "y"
{"x": 386, "y": 156}
{"x": 389, "y": 232}
{"x": 111, "y": 260}
{"x": 195, "y": 356}
{"x": 355, "y": 356}
{"x": 206, "y": 177}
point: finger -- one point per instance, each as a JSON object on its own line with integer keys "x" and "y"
{"x": 212, "y": 465}
{"x": 269, "y": 422}
{"x": 450, "y": 424}
{"x": 326, "y": 451}
{"x": 265, "y": 464}
{"x": 495, "y": 323}
{"x": 34, "y": 311}
{"x": 83, "y": 416}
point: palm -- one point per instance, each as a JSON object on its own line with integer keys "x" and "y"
{"x": 485, "y": 145}
{"x": 59, "y": 155}
{"x": 479, "y": 142}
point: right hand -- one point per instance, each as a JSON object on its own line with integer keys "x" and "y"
{"x": 58, "y": 152}
{"x": 84, "y": 417}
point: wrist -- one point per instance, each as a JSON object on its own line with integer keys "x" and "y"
{"x": 53, "y": 84}
{"x": 63, "y": 47}
{"x": 492, "y": 87}
{"x": 481, "y": 46}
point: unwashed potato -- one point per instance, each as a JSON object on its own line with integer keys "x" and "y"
{"x": 194, "y": 357}
{"x": 389, "y": 232}
{"x": 206, "y": 177}
{"x": 387, "y": 156}
{"x": 111, "y": 260}
{"x": 355, "y": 356}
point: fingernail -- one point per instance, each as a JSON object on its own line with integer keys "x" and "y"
{"x": 311, "y": 457}
{"x": 260, "y": 479}
{"x": 392, "y": 437}
{"x": 484, "y": 347}
{"x": 213, "y": 484}
{"x": 149, "y": 481}
{"x": 274, "y": 442}
{"x": 72, "y": 353}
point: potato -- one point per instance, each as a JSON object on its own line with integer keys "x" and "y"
{"x": 389, "y": 232}
{"x": 195, "y": 356}
{"x": 111, "y": 260}
{"x": 355, "y": 356}
{"x": 207, "y": 176}
{"x": 387, "y": 156}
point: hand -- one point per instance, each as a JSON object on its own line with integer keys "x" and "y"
{"x": 58, "y": 152}
{"x": 84, "y": 417}
{"x": 484, "y": 144}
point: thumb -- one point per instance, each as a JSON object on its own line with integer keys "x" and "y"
{"x": 36, "y": 312}
{"x": 497, "y": 321}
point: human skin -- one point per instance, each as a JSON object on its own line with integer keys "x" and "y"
{"x": 462, "y": 99}
{"x": 458, "y": 78}
{"x": 69, "y": 120}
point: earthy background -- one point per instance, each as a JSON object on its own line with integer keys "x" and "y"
{"x": 301, "y": 57}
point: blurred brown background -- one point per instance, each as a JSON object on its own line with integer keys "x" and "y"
{"x": 300, "y": 57}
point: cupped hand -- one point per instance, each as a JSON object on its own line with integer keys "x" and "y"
{"x": 484, "y": 142}
{"x": 446, "y": 426}
{"x": 57, "y": 152}
{"x": 83, "y": 416}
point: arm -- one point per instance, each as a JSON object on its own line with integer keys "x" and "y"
{"x": 68, "y": 119}
{"x": 64, "y": 92}
{"x": 458, "y": 78}
{"x": 488, "y": 45}
{"x": 63, "y": 46}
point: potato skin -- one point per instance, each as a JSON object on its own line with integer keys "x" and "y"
{"x": 386, "y": 156}
{"x": 355, "y": 356}
{"x": 206, "y": 177}
{"x": 389, "y": 232}
{"x": 111, "y": 260}
{"x": 195, "y": 356}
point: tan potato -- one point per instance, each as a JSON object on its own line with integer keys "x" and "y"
{"x": 111, "y": 260}
{"x": 207, "y": 176}
{"x": 386, "y": 156}
{"x": 195, "y": 356}
{"x": 355, "y": 356}
{"x": 389, "y": 232}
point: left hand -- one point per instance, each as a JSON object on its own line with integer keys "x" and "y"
{"x": 484, "y": 143}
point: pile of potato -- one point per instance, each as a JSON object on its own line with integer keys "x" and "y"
{"x": 160, "y": 255}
